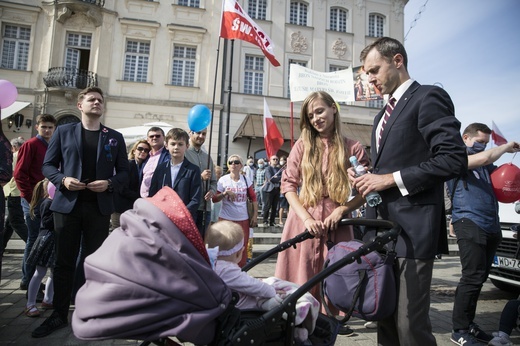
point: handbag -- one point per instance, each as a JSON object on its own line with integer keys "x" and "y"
{"x": 249, "y": 202}
{"x": 365, "y": 288}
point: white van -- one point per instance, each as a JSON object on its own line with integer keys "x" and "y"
{"x": 505, "y": 271}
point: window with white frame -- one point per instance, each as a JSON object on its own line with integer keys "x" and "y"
{"x": 257, "y": 9}
{"x": 183, "y": 65}
{"x": 137, "y": 55}
{"x": 189, "y": 3}
{"x": 15, "y": 46}
{"x": 254, "y": 74}
{"x": 334, "y": 68}
{"x": 77, "y": 50}
{"x": 376, "y": 24}
{"x": 338, "y": 19}
{"x": 297, "y": 62}
{"x": 376, "y": 103}
{"x": 298, "y": 13}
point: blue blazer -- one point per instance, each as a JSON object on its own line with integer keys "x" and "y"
{"x": 64, "y": 159}
{"x": 187, "y": 183}
{"x": 421, "y": 140}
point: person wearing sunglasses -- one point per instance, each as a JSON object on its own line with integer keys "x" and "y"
{"x": 233, "y": 189}
{"x": 125, "y": 197}
{"x": 158, "y": 155}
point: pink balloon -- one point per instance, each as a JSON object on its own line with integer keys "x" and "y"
{"x": 8, "y": 93}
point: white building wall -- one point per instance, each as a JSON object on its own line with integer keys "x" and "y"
{"x": 164, "y": 24}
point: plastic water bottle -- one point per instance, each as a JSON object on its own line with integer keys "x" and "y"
{"x": 373, "y": 198}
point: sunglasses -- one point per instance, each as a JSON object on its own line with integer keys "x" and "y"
{"x": 235, "y": 162}
{"x": 146, "y": 150}
{"x": 154, "y": 136}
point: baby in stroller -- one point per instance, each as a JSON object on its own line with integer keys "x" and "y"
{"x": 225, "y": 242}
{"x": 226, "y": 239}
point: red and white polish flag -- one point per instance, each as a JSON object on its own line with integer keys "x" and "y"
{"x": 273, "y": 139}
{"x": 496, "y": 135}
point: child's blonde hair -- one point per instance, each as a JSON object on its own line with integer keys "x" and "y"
{"x": 224, "y": 234}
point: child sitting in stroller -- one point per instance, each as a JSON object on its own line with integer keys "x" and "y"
{"x": 225, "y": 242}
{"x": 227, "y": 238}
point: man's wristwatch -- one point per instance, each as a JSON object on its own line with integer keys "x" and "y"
{"x": 110, "y": 187}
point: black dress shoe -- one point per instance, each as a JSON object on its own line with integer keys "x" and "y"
{"x": 49, "y": 326}
{"x": 345, "y": 330}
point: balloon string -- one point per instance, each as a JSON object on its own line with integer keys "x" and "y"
{"x": 514, "y": 156}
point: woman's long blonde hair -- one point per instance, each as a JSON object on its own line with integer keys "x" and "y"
{"x": 337, "y": 183}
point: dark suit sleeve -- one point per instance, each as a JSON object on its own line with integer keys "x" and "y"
{"x": 154, "y": 183}
{"x": 121, "y": 162}
{"x": 440, "y": 130}
{"x": 53, "y": 159}
{"x": 195, "y": 191}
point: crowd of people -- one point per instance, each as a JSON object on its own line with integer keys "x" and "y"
{"x": 67, "y": 185}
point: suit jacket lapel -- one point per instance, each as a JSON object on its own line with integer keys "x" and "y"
{"x": 182, "y": 172}
{"x": 103, "y": 134}
{"x": 399, "y": 107}
{"x": 77, "y": 139}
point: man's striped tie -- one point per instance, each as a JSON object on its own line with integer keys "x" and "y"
{"x": 388, "y": 111}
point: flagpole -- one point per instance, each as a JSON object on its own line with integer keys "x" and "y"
{"x": 292, "y": 124}
{"x": 230, "y": 87}
{"x": 207, "y": 182}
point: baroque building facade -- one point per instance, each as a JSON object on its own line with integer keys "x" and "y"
{"x": 156, "y": 59}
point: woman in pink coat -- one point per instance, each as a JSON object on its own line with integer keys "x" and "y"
{"x": 317, "y": 168}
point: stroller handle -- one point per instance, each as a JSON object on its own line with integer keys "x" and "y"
{"x": 373, "y": 223}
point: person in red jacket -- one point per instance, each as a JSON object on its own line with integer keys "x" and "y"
{"x": 27, "y": 173}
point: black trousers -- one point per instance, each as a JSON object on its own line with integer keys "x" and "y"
{"x": 15, "y": 221}
{"x": 86, "y": 221}
{"x": 271, "y": 205}
{"x": 477, "y": 250}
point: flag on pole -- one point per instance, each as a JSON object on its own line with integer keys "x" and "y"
{"x": 497, "y": 136}
{"x": 273, "y": 139}
{"x": 236, "y": 24}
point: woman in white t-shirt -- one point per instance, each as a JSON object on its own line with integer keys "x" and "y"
{"x": 233, "y": 190}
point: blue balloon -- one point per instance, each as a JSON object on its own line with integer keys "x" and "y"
{"x": 199, "y": 118}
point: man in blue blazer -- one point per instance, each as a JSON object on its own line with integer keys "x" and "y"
{"x": 179, "y": 173}
{"x": 86, "y": 161}
{"x": 416, "y": 146}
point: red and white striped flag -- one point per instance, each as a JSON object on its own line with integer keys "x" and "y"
{"x": 236, "y": 24}
{"x": 273, "y": 139}
{"x": 497, "y": 136}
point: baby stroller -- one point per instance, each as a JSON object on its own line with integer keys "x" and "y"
{"x": 152, "y": 279}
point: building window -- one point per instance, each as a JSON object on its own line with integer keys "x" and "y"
{"x": 77, "y": 50}
{"x": 257, "y": 9}
{"x": 183, "y": 71}
{"x": 338, "y": 19}
{"x": 254, "y": 75}
{"x": 15, "y": 46}
{"x": 137, "y": 56}
{"x": 297, "y": 62}
{"x": 376, "y": 103}
{"x": 189, "y": 3}
{"x": 334, "y": 68}
{"x": 376, "y": 23}
{"x": 298, "y": 13}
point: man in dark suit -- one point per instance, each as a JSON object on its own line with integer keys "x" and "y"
{"x": 414, "y": 150}
{"x": 179, "y": 173}
{"x": 271, "y": 191}
{"x": 86, "y": 161}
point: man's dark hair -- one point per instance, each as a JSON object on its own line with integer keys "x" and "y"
{"x": 474, "y": 128}
{"x": 85, "y": 91}
{"x": 177, "y": 134}
{"x": 388, "y": 48}
{"x": 46, "y": 118}
{"x": 155, "y": 129}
